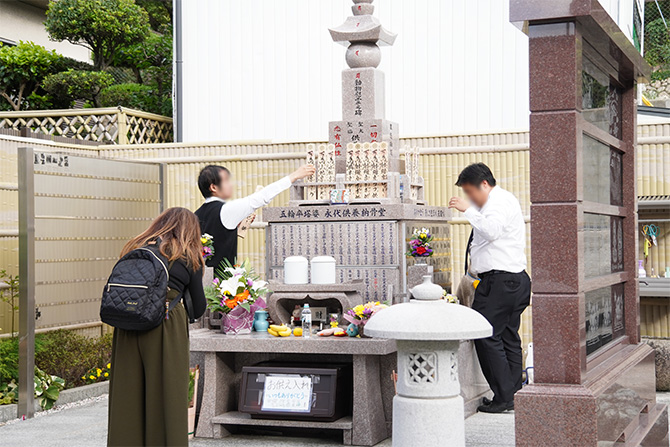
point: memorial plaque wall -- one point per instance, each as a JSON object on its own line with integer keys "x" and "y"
{"x": 594, "y": 378}
{"x": 371, "y": 250}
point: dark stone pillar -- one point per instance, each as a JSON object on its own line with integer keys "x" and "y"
{"x": 595, "y": 382}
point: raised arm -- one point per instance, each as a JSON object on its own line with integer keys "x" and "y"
{"x": 235, "y": 211}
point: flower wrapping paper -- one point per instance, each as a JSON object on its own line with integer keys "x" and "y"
{"x": 239, "y": 320}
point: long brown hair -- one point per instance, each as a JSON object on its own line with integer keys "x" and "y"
{"x": 179, "y": 230}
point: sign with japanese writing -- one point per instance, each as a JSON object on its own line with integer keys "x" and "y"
{"x": 291, "y": 393}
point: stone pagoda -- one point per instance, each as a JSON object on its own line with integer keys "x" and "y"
{"x": 366, "y": 197}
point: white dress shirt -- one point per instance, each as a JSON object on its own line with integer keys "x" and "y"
{"x": 235, "y": 211}
{"x": 499, "y": 241}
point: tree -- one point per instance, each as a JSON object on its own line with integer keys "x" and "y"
{"x": 160, "y": 12}
{"x": 103, "y": 26}
{"x": 152, "y": 56}
{"x": 22, "y": 69}
{"x": 73, "y": 84}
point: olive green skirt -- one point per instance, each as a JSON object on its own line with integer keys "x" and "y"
{"x": 148, "y": 390}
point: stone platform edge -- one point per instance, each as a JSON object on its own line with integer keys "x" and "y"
{"x": 9, "y": 412}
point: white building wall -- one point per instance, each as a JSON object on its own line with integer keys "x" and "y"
{"x": 268, "y": 69}
{"x": 23, "y": 22}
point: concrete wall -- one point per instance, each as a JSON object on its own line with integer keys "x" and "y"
{"x": 21, "y": 21}
{"x": 268, "y": 69}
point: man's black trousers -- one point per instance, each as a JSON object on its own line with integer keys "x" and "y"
{"x": 501, "y": 298}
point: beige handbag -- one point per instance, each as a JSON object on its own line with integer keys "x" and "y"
{"x": 466, "y": 287}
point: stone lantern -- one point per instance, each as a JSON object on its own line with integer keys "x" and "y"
{"x": 428, "y": 407}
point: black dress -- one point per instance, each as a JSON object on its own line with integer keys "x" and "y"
{"x": 148, "y": 390}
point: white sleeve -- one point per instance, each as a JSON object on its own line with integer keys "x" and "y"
{"x": 491, "y": 222}
{"x": 235, "y": 211}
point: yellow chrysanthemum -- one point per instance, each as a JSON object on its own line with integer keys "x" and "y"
{"x": 106, "y": 374}
{"x": 83, "y": 377}
{"x": 109, "y": 366}
{"x": 92, "y": 377}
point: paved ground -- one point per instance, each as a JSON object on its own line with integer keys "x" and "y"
{"x": 85, "y": 425}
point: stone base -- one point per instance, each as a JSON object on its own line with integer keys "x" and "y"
{"x": 473, "y": 383}
{"x": 428, "y": 422}
{"x": 615, "y": 405}
{"x": 662, "y": 349}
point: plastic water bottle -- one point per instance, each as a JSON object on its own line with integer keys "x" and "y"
{"x": 306, "y": 318}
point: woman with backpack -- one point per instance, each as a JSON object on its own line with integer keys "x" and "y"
{"x": 148, "y": 390}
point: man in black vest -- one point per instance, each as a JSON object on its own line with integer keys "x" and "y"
{"x": 219, "y": 216}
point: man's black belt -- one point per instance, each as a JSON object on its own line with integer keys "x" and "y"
{"x": 494, "y": 272}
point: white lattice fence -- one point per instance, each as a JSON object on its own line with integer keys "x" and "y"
{"x": 107, "y": 126}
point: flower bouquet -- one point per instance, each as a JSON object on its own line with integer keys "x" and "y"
{"x": 236, "y": 292}
{"x": 419, "y": 244}
{"x": 207, "y": 241}
{"x": 359, "y": 315}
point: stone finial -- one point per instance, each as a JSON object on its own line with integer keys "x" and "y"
{"x": 362, "y": 32}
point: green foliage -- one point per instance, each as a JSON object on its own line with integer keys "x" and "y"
{"x": 47, "y": 388}
{"x": 22, "y": 69}
{"x": 9, "y": 393}
{"x": 10, "y": 296}
{"x": 97, "y": 374}
{"x": 70, "y": 85}
{"x": 136, "y": 96}
{"x": 9, "y": 360}
{"x": 191, "y": 385}
{"x": 657, "y": 43}
{"x": 70, "y": 355}
{"x": 103, "y": 26}
{"x": 160, "y": 12}
{"x": 660, "y": 75}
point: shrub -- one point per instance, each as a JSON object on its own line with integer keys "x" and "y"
{"x": 69, "y": 355}
{"x": 22, "y": 69}
{"x": 9, "y": 360}
{"x": 73, "y": 84}
{"x": 135, "y": 96}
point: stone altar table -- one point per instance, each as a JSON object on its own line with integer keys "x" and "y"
{"x": 373, "y": 361}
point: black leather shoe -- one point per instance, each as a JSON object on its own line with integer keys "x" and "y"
{"x": 486, "y": 401}
{"x": 495, "y": 407}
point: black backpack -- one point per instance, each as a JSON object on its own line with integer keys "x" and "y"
{"x": 135, "y": 297}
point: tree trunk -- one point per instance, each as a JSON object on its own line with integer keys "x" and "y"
{"x": 138, "y": 75}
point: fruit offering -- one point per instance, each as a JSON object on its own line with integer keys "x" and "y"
{"x": 279, "y": 331}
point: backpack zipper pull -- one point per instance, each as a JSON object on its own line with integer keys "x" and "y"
{"x": 167, "y": 310}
